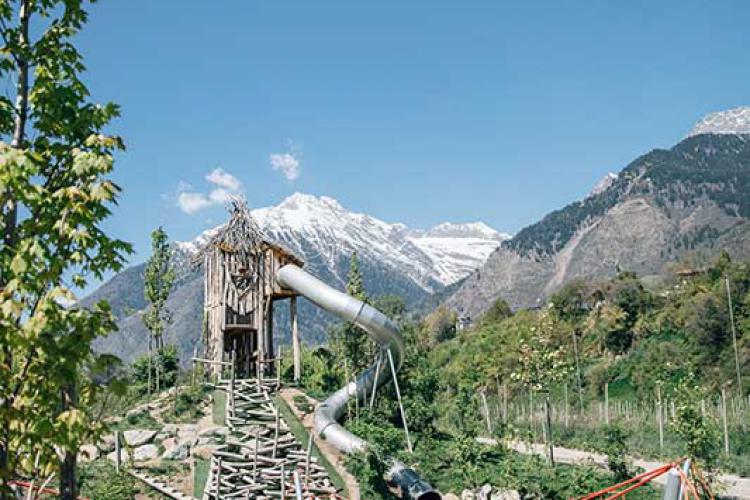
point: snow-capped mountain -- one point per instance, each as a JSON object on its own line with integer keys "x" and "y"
{"x": 732, "y": 121}
{"x": 325, "y": 234}
{"x": 393, "y": 260}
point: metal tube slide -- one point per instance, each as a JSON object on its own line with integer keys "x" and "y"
{"x": 387, "y": 335}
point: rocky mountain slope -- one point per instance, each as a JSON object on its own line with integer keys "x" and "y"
{"x": 394, "y": 259}
{"x": 691, "y": 199}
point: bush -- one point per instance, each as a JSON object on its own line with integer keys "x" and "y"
{"x": 169, "y": 363}
{"x": 100, "y": 481}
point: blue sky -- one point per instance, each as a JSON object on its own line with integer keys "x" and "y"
{"x": 417, "y": 112}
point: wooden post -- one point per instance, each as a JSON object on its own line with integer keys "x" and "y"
{"x": 505, "y": 403}
{"x": 565, "y": 392}
{"x": 660, "y": 418}
{"x": 296, "y": 349}
{"x": 231, "y": 381}
{"x": 118, "y": 460}
{"x": 307, "y": 457}
{"x": 578, "y": 371}
{"x": 255, "y": 454}
{"x": 724, "y": 420}
{"x": 218, "y": 478}
{"x": 486, "y": 412}
{"x": 283, "y": 481}
{"x": 548, "y": 421}
{"x": 606, "y": 403}
{"x": 400, "y": 404}
{"x": 195, "y": 355}
{"x": 276, "y": 434}
{"x": 278, "y": 370}
{"x": 734, "y": 336}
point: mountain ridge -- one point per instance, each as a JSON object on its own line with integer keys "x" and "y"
{"x": 394, "y": 259}
{"x": 690, "y": 199}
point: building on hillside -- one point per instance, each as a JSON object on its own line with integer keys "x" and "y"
{"x": 240, "y": 291}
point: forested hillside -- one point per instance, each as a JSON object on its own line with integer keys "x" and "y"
{"x": 692, "y": 199}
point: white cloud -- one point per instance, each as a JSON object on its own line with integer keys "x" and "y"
{"x": 226, "y": 187}
{"x": 287, "y": 163}
{"x": 224, "y": 179}
{"x": 191, "y": 203}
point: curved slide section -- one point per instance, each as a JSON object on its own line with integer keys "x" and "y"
{"x": 387, "y": 335}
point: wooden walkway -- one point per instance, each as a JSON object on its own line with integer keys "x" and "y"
{"x": 261, "y": 458}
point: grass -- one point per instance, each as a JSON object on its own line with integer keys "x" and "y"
{"x": 219, "y": 407}
{"x": 200, "y": 476}
{"x": 142, "y": 420}
{"x": 303, "y": 436}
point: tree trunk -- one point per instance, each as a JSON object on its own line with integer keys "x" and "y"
{"x": 68, "y": 486}
{"x": 150, "y": 341}
{"x": 10, "y": 220}
{"x": 578, "y": 371}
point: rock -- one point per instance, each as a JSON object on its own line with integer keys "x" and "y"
{"x": 137, "y": 437}
{"x": 214, "y": 430}
{"x": 107, "y": 443}
{"x": 450, "y": 496}
{"x": 505, "y": 495}
{"x": 170, "y": 429}
{"x": 467, "y": 495}
{"x": 88, "y": 452}
{"x": 124, "y": 456}
{"x": 145, "y": 452}
{"x": 484, "y": 492}
{"x": 204, "y": 451}
{"x": 177, "y": 451}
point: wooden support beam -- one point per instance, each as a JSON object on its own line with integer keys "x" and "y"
{"x": 296, "y": 348}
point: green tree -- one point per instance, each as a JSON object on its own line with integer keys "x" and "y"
{"x": 158, "y": 280}
{"x": 698, "y": 431}
{"x": 55, "y": 193}
{"x": 542, "y": 364}
{"x": 351, "y": 343}
{"x": 498, "y": 311}
{"x": 440, "y": 325}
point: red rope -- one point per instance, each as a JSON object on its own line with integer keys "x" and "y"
{"x": 51, "y": 491}
{"x": 640, "y": 480}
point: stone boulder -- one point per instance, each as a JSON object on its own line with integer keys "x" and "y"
{"x": 450, "y": 496}
{"x": 88, "y": 452}
{"x": 204, "y": 451}
{"x": 505, "y": 495}
{"x": 467, "y": 495}
{"x": 175, "y": 451}
{"x": 484, "y": 492}
{"x": 214, "y": 430}
{"x": 107, "y": 443}
{"x": 138, "y": 437}
{"x": 145, "y": 453}
{"x": 124, "y": 456}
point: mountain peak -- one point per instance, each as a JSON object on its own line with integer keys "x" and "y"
{"x": 299, "y": 201}
{"x": 320, "y": 229}
{"x": 732, "y": 121}
{"x": 476, "y": 229}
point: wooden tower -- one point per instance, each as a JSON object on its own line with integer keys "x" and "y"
{"x": 240, "y": 289}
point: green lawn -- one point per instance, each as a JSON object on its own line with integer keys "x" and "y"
{"x": 303, "y": 436}
{"x": 200, "y": 476}
{"x": 220, "y": 407}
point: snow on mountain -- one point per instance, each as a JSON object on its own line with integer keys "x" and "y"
{"x": 323, "y": 232}
{"x": 732, "y": 121}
